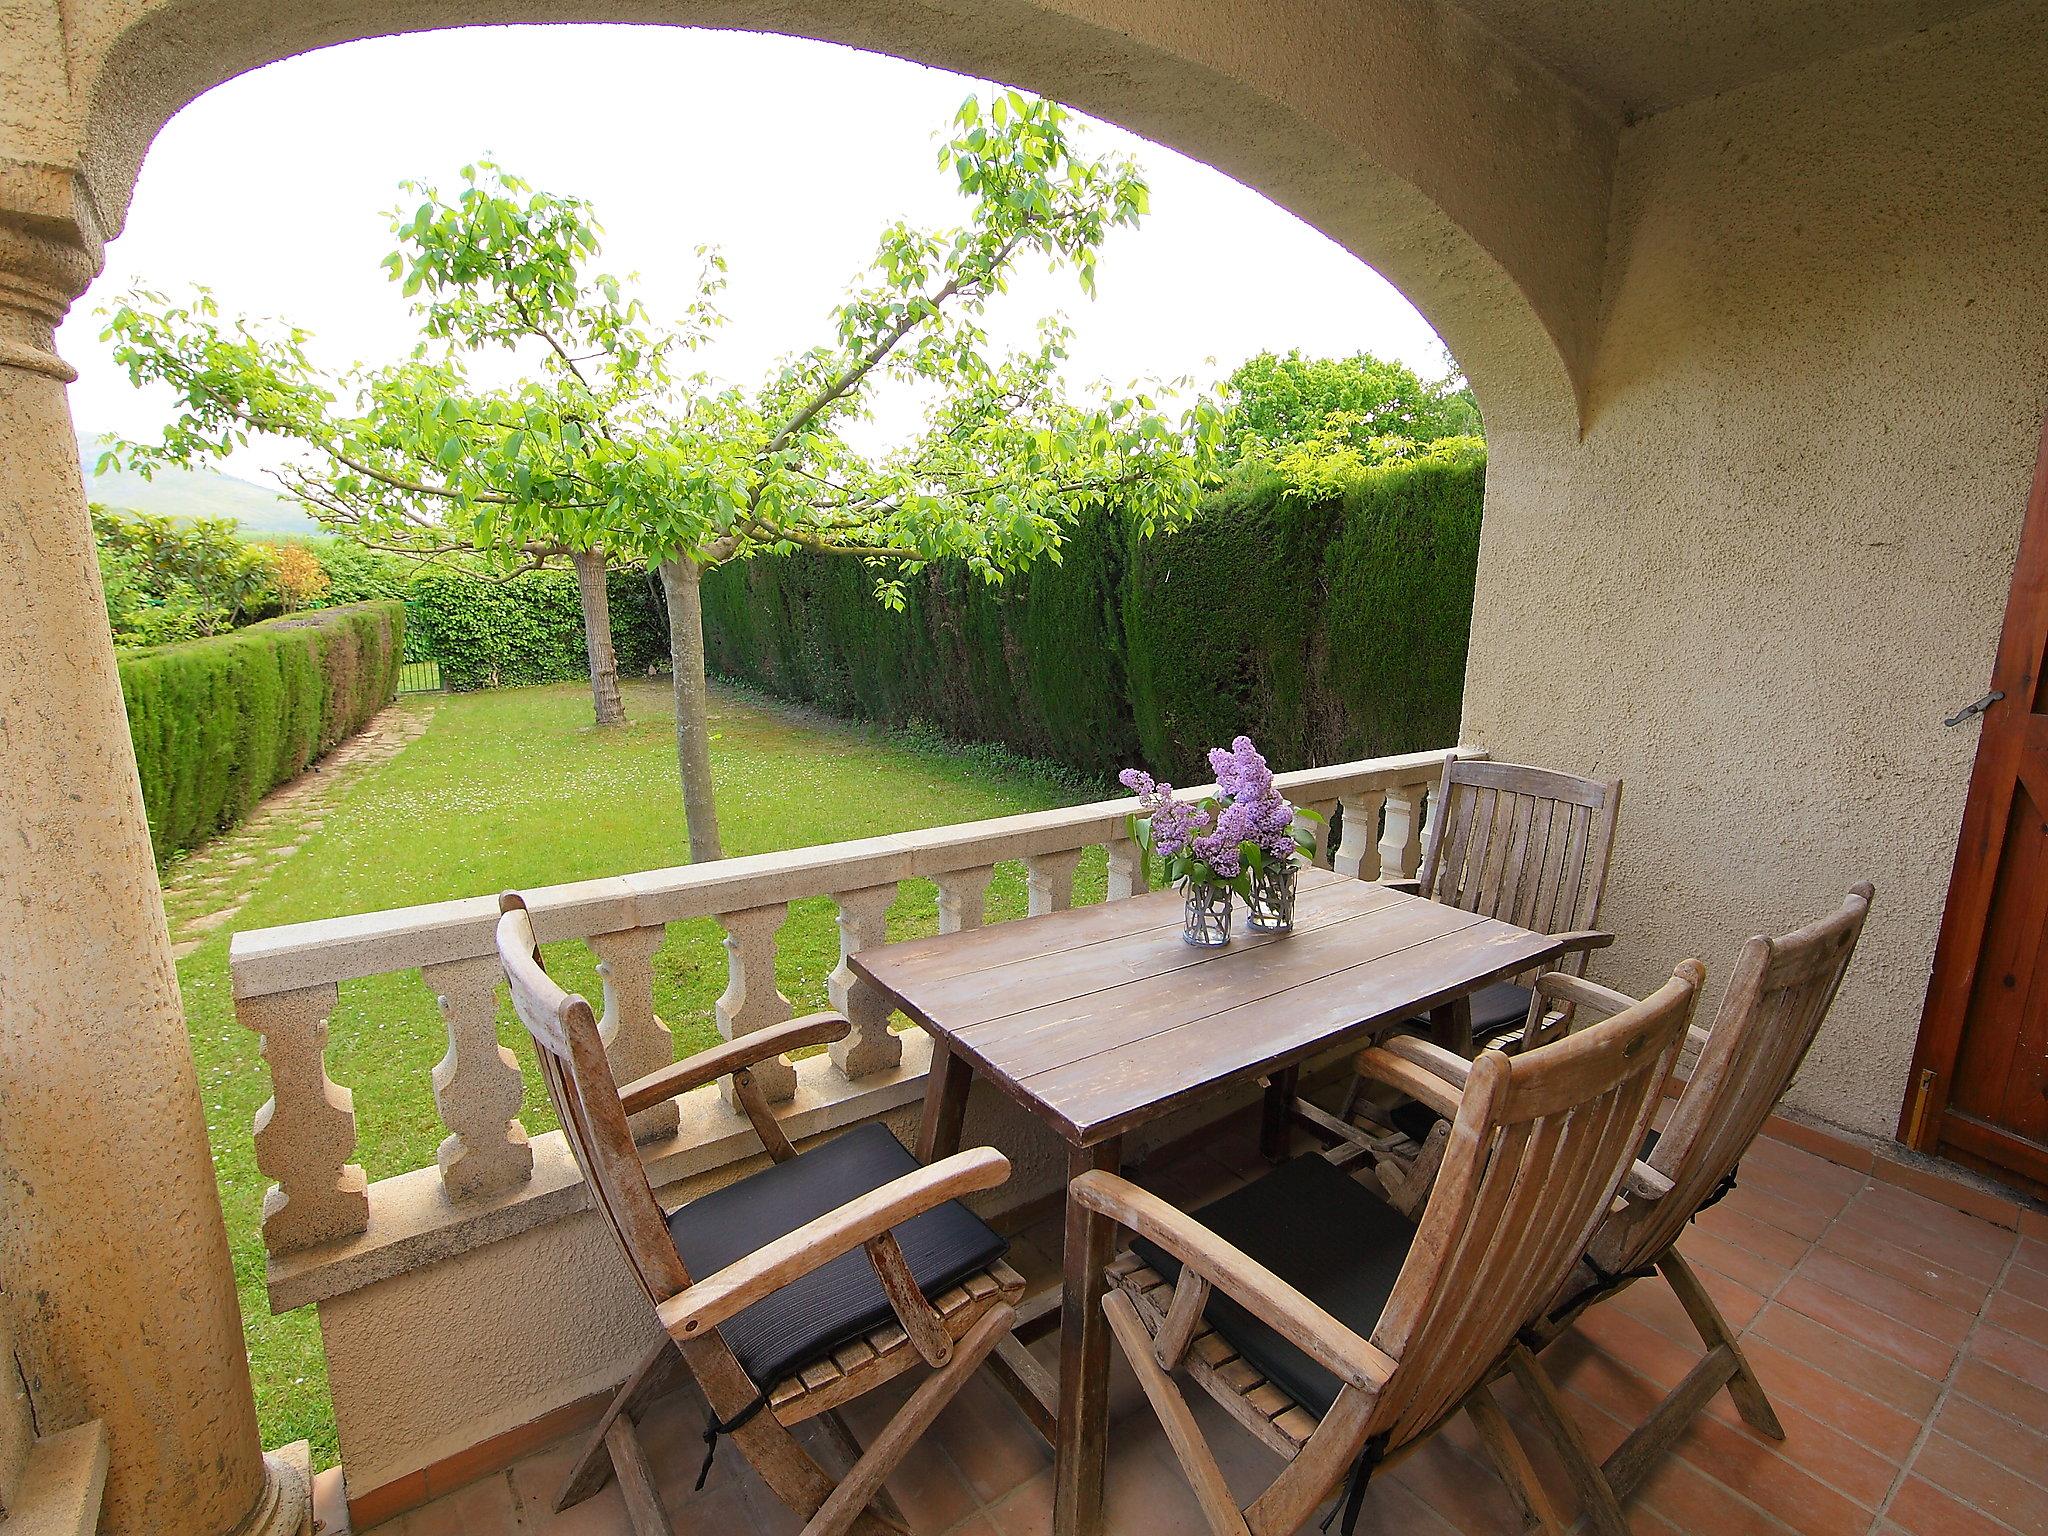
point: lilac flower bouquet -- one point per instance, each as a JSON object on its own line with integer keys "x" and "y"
{"x": 1245, "y": 838}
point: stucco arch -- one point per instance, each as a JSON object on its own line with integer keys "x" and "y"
{"x": 1478, "y": 186}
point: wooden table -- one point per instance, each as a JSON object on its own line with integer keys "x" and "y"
{"x": 1099, "y": 1019}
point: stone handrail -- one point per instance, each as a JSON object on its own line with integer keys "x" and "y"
{"x": 286, "y": 979}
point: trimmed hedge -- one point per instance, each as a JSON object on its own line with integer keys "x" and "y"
{"x": 490, "y": 634}
{"x": 218, "y": 722}
{"x": 1325, "y": 627}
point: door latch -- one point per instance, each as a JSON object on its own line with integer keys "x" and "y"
{"x": 1977, "y": 708}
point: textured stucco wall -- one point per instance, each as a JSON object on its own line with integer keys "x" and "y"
{"x": 1780, "y": 554}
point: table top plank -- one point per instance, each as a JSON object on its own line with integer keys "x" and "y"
{"x": 1049, "y": 976}
{"x": 1103, "y": 1095}
{"x": 1100, "y": 1018}
{"x": 1023, "y": 1044}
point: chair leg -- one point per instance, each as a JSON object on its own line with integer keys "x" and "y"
{"x": 1212, "y": 1492}
{"x": 843, "y": 1441}
{"x": 1715, "y": 1333}
{"x": 660, "y": 1369}
{"x": 1595, "y": 1494}
{"x": 1511, "y": 1459}
{"x": 846, "y": 1503}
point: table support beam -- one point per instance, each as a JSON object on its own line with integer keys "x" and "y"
{"x": 1084, "y": 1354}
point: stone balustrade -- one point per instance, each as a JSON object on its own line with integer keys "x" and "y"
{"x": 286, "y": 980}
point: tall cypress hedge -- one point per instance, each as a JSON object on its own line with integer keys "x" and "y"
{"x": 1325, "y": 627}
{"x": 529, "y": 629}
{"x": 218, "y": 722}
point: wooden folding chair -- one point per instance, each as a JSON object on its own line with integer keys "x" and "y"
{"x": 1530, "y": 846}
{"x": 1340, "y": 1332}
{"x": 1777, "y": 998}
{"x": 824, "y": 1274}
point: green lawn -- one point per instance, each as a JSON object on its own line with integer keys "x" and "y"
{"x": 516, "y": 788}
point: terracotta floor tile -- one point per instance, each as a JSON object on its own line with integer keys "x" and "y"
{"x": 1759, "y": 1470}
{"x": 1820, "y": 1172}
{"x": 1692, "y": 1501}
{"x": 1884, "y": 1331}
{"x": 1655, "y": 1303}
{"x": 1878, "y": 1253}
{"x": 2032, "y": 1253}
{"x": 1706, "y": 1250}
{"x": 1027, "y": 1511}
{"x": 990, "y": 1440}
{"x": 1789, "y": 1179}
{"x": 2021, "y": 1447}
{"x": 1890, "y": 1296}
{"x": 1924, "y": 1510}
{"x": 1462, "y": 1490}
{"x": 2012, "y": 1354}
{"x": 1915, "y": 1216}
{"x": 1793, "y": 1217}
{"x": 2027, "y": 1284}
{"x": 1854, "y": 1364}
{"x": 2017, "y": 1316}
{"x": 2000, "y": 1210}
{"x": 1983, "y": 1484}
{"x": 1984, "y": 1383}
{"x": 1786, "y": 1378}
{"x": 973, "y": 1525}
{"x": 1761, "y": 1238}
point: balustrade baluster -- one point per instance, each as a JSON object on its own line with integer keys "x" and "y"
{"x": 1049, "y": 880}
{"x": 477, "y": 1086}
{"x": 1401, "y": 843}
{"x": 1358, "y": 850}
{"x": 963, "y": 894}
{"x": 751, "y": 1000}
{"x": 307, "y": 1128}
{"x": 1126, "y": 869}
{"x": 636, "y": 1042}
{"x": 1324, "y": 851}
{"x": 863, "y": 923}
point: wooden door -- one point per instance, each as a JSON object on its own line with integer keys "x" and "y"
{"x": 1979, "y": 1088}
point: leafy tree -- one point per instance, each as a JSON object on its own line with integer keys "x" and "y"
{"x": 1365, "y": 407}
{"x": 610, "y": 448}
{"x": 302, "y": 581}
{"x": 169, "y": 579}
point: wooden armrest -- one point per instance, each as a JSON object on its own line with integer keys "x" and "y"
{"x": 1579, "y": 940}
{"x": 711, "y": 1300}
{"x": 1411, "y": 885}
{"x": 1645, "y": 1182}
{"x": 1424, "y": 1071}
{"x": 1272, "y": 1300}
{"x": 1581, "y": 993}
{"x": 730, "y": 1056}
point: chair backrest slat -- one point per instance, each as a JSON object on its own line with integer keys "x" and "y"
{"x": 1777, "y": 999}
{"x": 1540, "y": 1145}
{"x": 579, "y": 1080}
{"x": 1527, "y": 845}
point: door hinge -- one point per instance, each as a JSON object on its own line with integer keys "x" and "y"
{"x": 1977, "y": 708}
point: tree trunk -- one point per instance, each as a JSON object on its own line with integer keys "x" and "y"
{"x": 679, "y": 583}
{"x": 597, "y": 637}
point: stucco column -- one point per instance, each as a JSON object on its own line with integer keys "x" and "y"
{"x": 113, "y": 1254}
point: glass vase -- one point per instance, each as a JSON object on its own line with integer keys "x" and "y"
{"x": 1206, "y": 915}
{"x": 1269, "y": 908}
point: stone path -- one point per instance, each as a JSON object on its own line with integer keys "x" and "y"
{"x": 204, "y": 890}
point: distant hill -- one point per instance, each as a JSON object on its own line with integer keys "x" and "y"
{"x": 192, "y": 493}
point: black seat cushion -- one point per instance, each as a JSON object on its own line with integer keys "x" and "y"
{"x": 806, "y": 1320}
{"x": 1324, "y": 1234}
{"x": 1500, "y": 1007}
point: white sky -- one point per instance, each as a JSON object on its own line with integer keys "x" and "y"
{"x": 789, "y": 155}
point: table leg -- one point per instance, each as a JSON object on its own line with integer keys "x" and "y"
{"x": 1084, "y": 1356}
{"x": 1276, "y": 1121}
{"x": 945, "y": 1104}
{"x": 1451, "y": 1023}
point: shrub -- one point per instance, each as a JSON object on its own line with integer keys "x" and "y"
{"x": 218, "y": 722}
{"x": 491, "y": 634}
{"x": 167, "y": 579}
